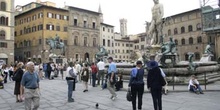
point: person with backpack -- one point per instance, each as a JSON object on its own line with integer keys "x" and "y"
{"x": 94, "y": 72}
{"x": 85, "y": 76}
{"x": 45, "y": 70}
{"x": 70, "y": 77}
{"x": 136, "y": 85}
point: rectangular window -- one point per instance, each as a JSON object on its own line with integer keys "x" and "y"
{"x": 103, "y": 42}
{"x": 75, "y": 22}
{"x": 57, "y": 16}
{"x": 109, "y": 43}
{"x": 84, "y": 23}
{"x": 58, "y": 28}
{"x": 66, "y": 17}
{"x": 103, "y": 29}
{"x": 40, "y": 27}
{"x": 21, "y": 32}
{"x": 3, "y": 45}
{"x": 40, "y": 15}
{"x": 65, "y": 29}
{"x": 49, "y": 15}
{"x": 50, "y": 27}
{"x": 143, "y": 39}
{"x": 93, "y": 25}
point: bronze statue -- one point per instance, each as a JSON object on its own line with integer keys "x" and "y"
{"x": 192, "y": 65}
{"x": 55, "y": 43}
{"x": 101, "y": 54}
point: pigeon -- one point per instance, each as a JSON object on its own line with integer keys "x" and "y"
{"x": 97, "y": 105}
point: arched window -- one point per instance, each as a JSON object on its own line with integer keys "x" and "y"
{"x": 3, "y": 6}
{"x": 175, "y": 31}
{"x": 94, "y": 42}
{"x": 190, "y": 40}
{"x": 75, "y": 40}
{"x": 199, "y": 39}
{"x": 197, "y": 56}
{"x": 169, "y": 32}
{"x": 2, "y": 35}
{"x": 183, "y": 41}
{"x": 2, "y": 20}
{"x": 190, "y": 28}
{"x": 198, "y": 26}
{"x": 85, "y": 41}
{"x": 176, "y": 41}
{"x": 182, "y": 29}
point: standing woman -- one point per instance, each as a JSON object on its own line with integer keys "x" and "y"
{"x": 137, "y": 85}
{"x": 17, "y": 78}
{"x": 155, "y": 82}
{"x": 85, "y": 77}
{"x": 5, "y": 70}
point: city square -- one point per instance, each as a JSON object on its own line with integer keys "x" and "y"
{"x": 87, "y": 55}
{"x": 54, "y": 93}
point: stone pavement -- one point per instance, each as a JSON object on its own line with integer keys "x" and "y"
{"x": 54, "y": 97}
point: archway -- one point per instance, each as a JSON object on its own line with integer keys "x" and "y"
{"x": 86, "y": 56}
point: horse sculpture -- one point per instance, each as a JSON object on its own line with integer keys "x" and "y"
{"x": 101, "y": 54}
{"x": 56, "y": 45}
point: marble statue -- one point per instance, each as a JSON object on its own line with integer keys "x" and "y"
{"x": 156, "y": 27}
{"x": 55, "y": 43}
{"x": 102, "y": 53}
{"x": 208, "y": 49}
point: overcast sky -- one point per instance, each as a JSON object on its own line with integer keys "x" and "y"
{"x": 135, "y": 11}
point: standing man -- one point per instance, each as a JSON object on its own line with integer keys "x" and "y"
{"x": 101, "y": 72}
{"x": 111, "y": 78}
{"x": 70, "y": 77}
{"x": 49, "y": 70}
{"x": 78, "y": 69}
{"x": 156, "y": 26}
{"x": 30, "y": 87}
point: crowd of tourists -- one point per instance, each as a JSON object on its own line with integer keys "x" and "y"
{"x": 27, "y": 77}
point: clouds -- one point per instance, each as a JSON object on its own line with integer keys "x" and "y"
{"x": 135, "y": 11}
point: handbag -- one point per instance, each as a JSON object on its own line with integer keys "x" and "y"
{"x": 129, "y": 96}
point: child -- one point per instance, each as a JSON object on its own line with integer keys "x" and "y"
{"x": 194, "y": 85}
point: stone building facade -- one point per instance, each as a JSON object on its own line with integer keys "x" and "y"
{"x": 186, "y": 30}
{"x": 107, "y": 38}
{"x": 7, "y": 31}
{"x": 34, "y": 26}
{"x": 84, "y": 34}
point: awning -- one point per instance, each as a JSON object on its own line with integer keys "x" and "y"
{"x": 3, "y": 55}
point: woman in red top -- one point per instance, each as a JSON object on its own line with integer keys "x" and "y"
{"x": 94, "y": 72}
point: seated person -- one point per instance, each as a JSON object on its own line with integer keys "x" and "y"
{"x": 119, "y": 83}
{"x": 194, "y": 85}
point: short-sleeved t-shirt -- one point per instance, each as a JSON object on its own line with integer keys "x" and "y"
{"x": 30, "y": 80}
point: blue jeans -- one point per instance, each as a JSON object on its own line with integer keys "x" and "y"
{"x": 46, "y": 74}
{"x": 193, "y": 89}
{"x": 70, "y": 89}
{"x": 93, "y": 79}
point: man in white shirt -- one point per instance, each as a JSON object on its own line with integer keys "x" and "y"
{"x": 78, "y": 70}
{"x": 70, "y": 77}
{"x": 101, "y": 72}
